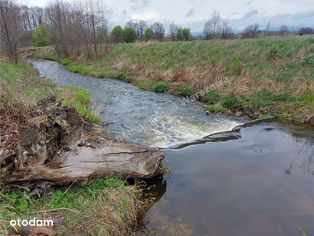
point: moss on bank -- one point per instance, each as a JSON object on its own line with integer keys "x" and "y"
{"x": 251, "y": 76}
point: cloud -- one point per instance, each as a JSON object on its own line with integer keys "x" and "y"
{"x": 250, "y": 14}
{"x": 249, "y": 3}
{"x": 303, "y": 15}
{"x": 146, "y": 16}
{"x": 194, "y": 13}
{"x": 137, "y": 4}
{"x": 125, "y": 13}
{"x": 189, "y": 13}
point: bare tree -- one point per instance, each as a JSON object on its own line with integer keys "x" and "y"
{"x": 226, "y": 31}
{"x": 78, "y": 28}
{"x": 10, "y": 28}
{"x": 212, "y": 28}
{"x": 284, "y": 30}
{"x": 56, "y": 17}
{"x": 173, "y": 30}
{"x": 142, "y": 26}
{"x": 215, "y": 27}
{"x": 139, "y": 26}
{"x": 251, "y": 31}
{"x": 158, "y": 31}
{"x": 306, "y": 30}
{"x": 268, "y": 29}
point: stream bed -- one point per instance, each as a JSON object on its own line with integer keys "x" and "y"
{"x": 260, "y": 183}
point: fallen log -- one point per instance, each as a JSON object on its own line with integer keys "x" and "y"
{"x": 125, "y": 160}
{"x": 60, "y": 148}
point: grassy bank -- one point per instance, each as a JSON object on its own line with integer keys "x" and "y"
{"x": 106, "y": 207}
{"x": 21, "y": 82}
{"x": 251, "y": 76}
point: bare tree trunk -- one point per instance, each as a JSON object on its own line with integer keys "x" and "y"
{"x": 8, "y": 29}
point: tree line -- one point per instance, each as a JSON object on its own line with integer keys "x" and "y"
{"x": 140, "y": 30}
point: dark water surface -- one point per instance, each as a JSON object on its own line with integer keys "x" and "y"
{"x": 259, "y": 185}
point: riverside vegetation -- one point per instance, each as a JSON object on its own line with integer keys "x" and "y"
{"x": 106, "y": 207}
{"x": 266, "y": 76}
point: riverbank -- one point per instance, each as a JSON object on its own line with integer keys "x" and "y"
{"x": 33, "y": 109}
{"x": 254, "y": 77}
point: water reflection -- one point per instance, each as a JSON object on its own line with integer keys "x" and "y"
{"x": 303, "y": 159}
{"x": 239, "y": 187}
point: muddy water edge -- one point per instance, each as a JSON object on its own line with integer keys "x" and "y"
{"x": 259, "y": 181}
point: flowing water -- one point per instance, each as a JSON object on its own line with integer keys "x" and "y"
{"x": 158, "y": 120}
{"x": 257, "y": 183}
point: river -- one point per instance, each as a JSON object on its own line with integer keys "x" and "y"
{"x": 259, "y": 183}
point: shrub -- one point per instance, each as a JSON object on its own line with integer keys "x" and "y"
{"x": 186, "y": 91}
{"x": 40, "y": 36}
{"x": 186, "y": 33}
{"x": 116, "y": 34}
{"x": 129, "y": 35}
{"x": 160, "y": 87}
{"x": 148, "y": 35}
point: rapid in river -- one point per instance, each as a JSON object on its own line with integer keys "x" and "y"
{"x": 258, "y": 182}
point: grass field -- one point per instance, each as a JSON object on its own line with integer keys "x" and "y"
{"x": 255, "y": 76}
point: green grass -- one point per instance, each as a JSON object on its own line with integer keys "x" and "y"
{"x": 171, "y": 55}
{"x": 78, "y": 98}
{"x": 187, "y": 91}
{"x": 22, "y": 82}
{"x": 160, "y": 87}
{"x": 81, "y": 95}
{"x": 211, "y": 97}
{"x": 77, "y": 205}
{"x": 229, "y": 102}
{"x": 276, "y": 64}
{"x": 10, "y": 72}
{"x": 307, "y": 98}
{"x": 217, "y": 109}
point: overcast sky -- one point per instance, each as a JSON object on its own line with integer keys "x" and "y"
{"x": 194, "y": 13}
